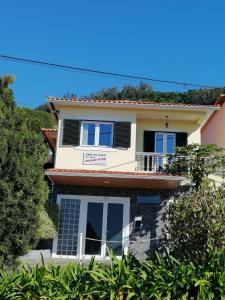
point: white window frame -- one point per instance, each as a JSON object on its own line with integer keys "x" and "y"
{"x": 165, "y": 140}
{"x": 84, "y": 200}
{"x": 97, "y": 133}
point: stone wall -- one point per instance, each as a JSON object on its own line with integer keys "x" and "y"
{"x": 150, "y": 236}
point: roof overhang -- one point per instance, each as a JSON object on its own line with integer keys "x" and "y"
{"x": 114, "y": 179}
{"x": 50, "y": 135}
{"x": 125, "y": 104}
{"x": 220, "y": 102}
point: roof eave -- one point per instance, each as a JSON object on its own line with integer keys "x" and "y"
{"x": 136, "y": 106}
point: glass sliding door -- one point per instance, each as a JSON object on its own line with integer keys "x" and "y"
{"x": 90, "y": 224}
{"x": 105, "y": 224}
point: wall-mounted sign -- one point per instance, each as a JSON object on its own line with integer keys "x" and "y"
{"x": 93, "y": 158}
{"x": 154, "y": 198}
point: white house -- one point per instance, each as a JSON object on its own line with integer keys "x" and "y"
{"x": 108, "y": 172}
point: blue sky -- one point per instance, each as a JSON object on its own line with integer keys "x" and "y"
{"x": 175, "y": 40}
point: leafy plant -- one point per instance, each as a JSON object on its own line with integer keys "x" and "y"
{"x": 195, "y": 219}
{"x": 164, "y": 278}
{"x": 196, "y": 161}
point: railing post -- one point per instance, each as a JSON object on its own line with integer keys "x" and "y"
{"x": 80, "y": 246}
{"x": 148, "y": 160}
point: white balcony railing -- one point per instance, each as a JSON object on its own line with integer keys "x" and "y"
{"x": 151, "y": 161}
{"x": 158, "y": 162}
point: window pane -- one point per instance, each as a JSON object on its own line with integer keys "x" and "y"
{"x": 115, "y": 227}
{"x": 88, "y": 134}
{"x": 105, "y": 135}
{"x": 159, "y": 143}
{"x": 170, "y": 143}
{"x": 94, "y": 228}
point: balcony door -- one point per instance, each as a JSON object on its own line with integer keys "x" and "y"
{"x": 165, "y": 142}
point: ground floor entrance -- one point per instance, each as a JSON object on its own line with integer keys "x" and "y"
{"x": 88, "y": 225}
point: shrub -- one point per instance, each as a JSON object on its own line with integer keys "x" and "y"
{"x": 195, "y": 219}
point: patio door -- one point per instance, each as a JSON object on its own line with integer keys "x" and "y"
{"x": 90, "y": 224}
{"x": 105, "y": 226}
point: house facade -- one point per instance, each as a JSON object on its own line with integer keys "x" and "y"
{"x": 108, "y": 171}
{"x": 212, "y": 132}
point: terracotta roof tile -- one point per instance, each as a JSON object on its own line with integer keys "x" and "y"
{"x": 126, "y": 102}
{"x": 49, "y": 129}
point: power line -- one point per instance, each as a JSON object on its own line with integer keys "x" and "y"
{"x": 74, "y": 68}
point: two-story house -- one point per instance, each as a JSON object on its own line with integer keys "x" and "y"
{"x": 108, "y": 172}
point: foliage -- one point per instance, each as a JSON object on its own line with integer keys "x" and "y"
{"x": 23, "y": 190}
{"x": 162, "y": 278}
{"x": 46, "y": 229}
{"x": 196, "y": 160}
{"x": 143, "y": 91}
{"x": 53, "y": 212}
{"x": 43, "y": 107}
{"x": 69, "y": 95}
{"x": 195, "y": 219}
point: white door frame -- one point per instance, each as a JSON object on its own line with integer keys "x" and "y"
{"x": 83, "y": 220}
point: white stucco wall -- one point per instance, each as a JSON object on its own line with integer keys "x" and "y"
{"x": 71, "y": 157}
{"x": 214, "y": 131}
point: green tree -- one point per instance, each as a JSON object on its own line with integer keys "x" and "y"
{"x": 43, "y": 107}
{"x": 143, "y": 91}
{"x": 23, "y": 190}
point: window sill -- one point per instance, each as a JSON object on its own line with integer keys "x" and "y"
{"x": 98, "y": 148}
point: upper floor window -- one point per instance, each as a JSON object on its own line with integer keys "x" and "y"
{"x": 97, "y": 133}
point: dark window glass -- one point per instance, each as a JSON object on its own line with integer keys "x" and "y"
{"x": 115, "y": 227}
{"x": 94, "y": 228}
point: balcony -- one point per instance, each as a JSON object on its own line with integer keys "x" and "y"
{"x": 164, "y": 163}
